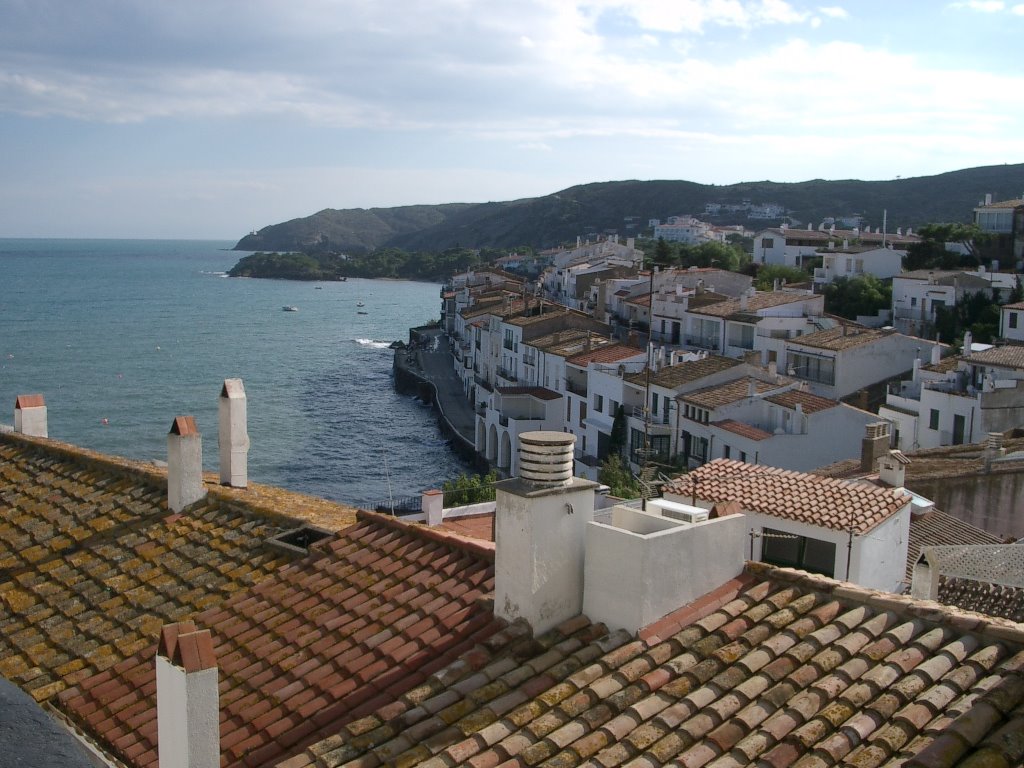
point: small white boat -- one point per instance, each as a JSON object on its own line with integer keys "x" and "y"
{"x": 360, "y": 304}
{"x": 287, "y": 308}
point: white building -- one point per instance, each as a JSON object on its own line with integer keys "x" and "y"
{"x": 686, "y": 230}
{"x": 775, "y": 423}
{"x": 1011, "y": 321}
{"x": 855, "y": 261}
{"x": 850, "y": 530}
{"x": 839, "y": 361}
{"x": 791, "y": 246}
{"x": 959, "y": 400}
{"x": 918, "y": 294}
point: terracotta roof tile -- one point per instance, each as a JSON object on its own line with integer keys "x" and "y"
{"x": 29, "y": 401}
{"x": 730, "y": 392}
{"x": 837, "y": 504}
{"x": 685, "y": 372}
{"x": 774, "y": 668}
{"x": 760, "y": 300}
{"x": 333, "y": 636}
{"x": 810, "y": 402}
{"x": 610, "y": 353}
{"x": 743, "y": 430}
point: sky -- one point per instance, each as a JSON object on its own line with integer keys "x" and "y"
{"x": 211, "y": 118}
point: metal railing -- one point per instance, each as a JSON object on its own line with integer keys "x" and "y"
{"x": 702, "y": 342}
{"x": 576, "y": 389}
{"x": 402, "y": 506}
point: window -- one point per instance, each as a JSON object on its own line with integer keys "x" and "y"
{"x": 933, "y": 419}
{"x": 813, "y": 368}
{"x": 743, "y": 456}
{"x": 726, "y": 450}
{"x": 913, "y": 301}
{"x": 599, "y": 403}
{"x": 768, "y": 242}
{"x": 508, "y": 338}
{"x": 1013, "y": 319}
{"x": 793, "y": 551}
{"x": 741, "y": 335}
{"x": 654, "y": 403}
{"x": 583, "y": 411}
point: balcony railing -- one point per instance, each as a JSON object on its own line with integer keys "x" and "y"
{"x": 482, "y": 382}
{"x": 506, "y": 374}
{"x": 638, "y": 413}
{"x": 703, "y": 342}
{"x": 576, "y": 389}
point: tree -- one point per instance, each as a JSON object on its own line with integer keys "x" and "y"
{"x": 615, "y": 474}
{"x": 466, "y": 489}
{"x": 931, "y": 251}
{"x": 662, "y": 251}
{"x": 768, "y": 274}
{"x": 861, "y": 295}
{"x": 617, "y": 438}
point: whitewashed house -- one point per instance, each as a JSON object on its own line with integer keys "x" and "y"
{"x": 958, "y": 400}
{"x": 839, "y": 361}
{"x": 918, "y": 294}
{"x": 855, "y": 261}
{"x": 791, "y": 246}
{"x": 851, "y": 530}
{"x": 1011, "y": 321}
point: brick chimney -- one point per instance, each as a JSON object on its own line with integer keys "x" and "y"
{"x": 874, "y": 445}
{"x": 187, "y": 699}
{"x": 184, "y": 464}
{"x": 233, "y": 437}
{"x": 540, "y": 525}
{"x": 30, "y": 415}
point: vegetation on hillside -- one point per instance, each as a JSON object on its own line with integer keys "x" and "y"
{"x": 380, "y": 263}
{"x": 591, "y": 209}
{"x": 669, "y": 254}
{"x": 861, "y": 295}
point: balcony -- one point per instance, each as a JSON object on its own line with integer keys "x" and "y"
{"x": 506, "y": 374}
{"x": 638, "y": 413}
{"x": 483, "y": 383}
{"x": 576, "y": 389}
{"x": 702, "y": 342}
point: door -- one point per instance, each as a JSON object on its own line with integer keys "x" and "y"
{"x": 958, "y": 429}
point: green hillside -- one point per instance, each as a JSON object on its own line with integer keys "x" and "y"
{"x": 604, "y": 207}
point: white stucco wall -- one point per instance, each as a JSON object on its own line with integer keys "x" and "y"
{"x": 641, "y": 566}
{"x": 188, "y": 716}
{"x": 879, "y": 558}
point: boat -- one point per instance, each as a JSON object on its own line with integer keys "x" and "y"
{"x": 361, "y": 312}
{"x": 287, "y": 308}
{"x": 360, "y": 304}
{"x": 319, "y": 287}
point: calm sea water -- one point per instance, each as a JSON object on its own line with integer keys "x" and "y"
{"x": 121, "y": 336}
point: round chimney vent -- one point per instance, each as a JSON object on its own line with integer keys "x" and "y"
{"x": 546, "y": 458}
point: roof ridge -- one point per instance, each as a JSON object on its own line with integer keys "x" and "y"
{"x": 474, "y": 547}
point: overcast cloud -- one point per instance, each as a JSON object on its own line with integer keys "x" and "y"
{"x": 187, "y": 118}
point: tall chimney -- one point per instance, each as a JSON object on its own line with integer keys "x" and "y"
{"x": 892, "y": 469}
{"x": 30, "y": 415}
{"x": 540, "y": 527}
{"x": 184, "y": 464}
{"x": 233, "y": 437}
{"x": 968, "y": 341}
{"x": 187, "y": 700}
{"x": 873, "y": 445}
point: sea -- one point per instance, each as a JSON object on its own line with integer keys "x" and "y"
{"x": 122, "y": 336}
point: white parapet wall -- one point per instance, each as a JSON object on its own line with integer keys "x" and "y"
{"x": 641, "y": 566}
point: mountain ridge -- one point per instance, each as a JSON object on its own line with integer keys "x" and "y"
{"x": 601, "y": 207}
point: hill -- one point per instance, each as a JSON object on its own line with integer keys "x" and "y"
{"x": 605, "y": 207}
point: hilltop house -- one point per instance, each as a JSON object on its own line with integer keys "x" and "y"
{"x": 917, "y": 295}
{"x": 791, "y": 247}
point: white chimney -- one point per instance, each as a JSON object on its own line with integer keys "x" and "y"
{"x": 233, "y": 435}
{"x": 30, "y": 415}
{"x": 988, "y": 198}
{"x": 892, "y": 469}
{"x": 187, "y": 700}
{"x": 936, "y": 357}
{"x": 540, "y": 525}
{"x": 743, "y": 301}
{"x": 968, "y": 342}
{"x": 184, "y": 464}
{"x": 432, "y": 505}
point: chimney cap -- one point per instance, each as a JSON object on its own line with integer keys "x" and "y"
{"x": 184, "y": 425}
{"x": 194, "y": 651}
{"x": 29, "y": 401}
{"x": 169, "y": 633}
{"x": 232, "y": 389}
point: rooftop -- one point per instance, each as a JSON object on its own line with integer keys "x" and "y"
{"x": 541, "y": 393}
{"x": 611, "y": 353}
{"x": 731, "y": 392}
{"x": 748, "y": 431}
{"x": 760, "y": 300}
{"x": 837, "y": 504}
{"x": 685, "y": 372}
{"x": 1006, "y": 356}
{"x": 774, "y": 668}
{"x": 367, "y": 616}
{"x": 840, "y": 338}
{"x": 92, "y": 564}
{"x": 809, "y": 402}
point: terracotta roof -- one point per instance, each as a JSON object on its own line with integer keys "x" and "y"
{"x": 541, "y": 393}
{"x": 837, "y": 504}
{"x": 810, "y": 402}
{"x": 567, "y": 337}
{"x": 641, "y": 301}
{"x": 760, "y": 300}
{"x": 842, "y": 337}
{"x": 611, "y": 353}
{"x": 29, "y": 401}
{"x": 685, "y": 372}
{"x": 730, "y": 392}
{"x": 775, "y": 668}
{"x": 1014, "y": 305}
{"x": 471, "y": 526}
{"x": 944, "y": 365}
{"x": 1003, "y": 204}
{"x": 92, "y": 565}
{"x": 1007, "y": 356}
{"x": 369, "y": 615}
{"x": 743, "y": 430}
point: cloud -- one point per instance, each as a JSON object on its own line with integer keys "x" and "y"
{"x": 833, "y": 12}
{"x": 983, "y": 6}
{"x": 1018, "y": 10}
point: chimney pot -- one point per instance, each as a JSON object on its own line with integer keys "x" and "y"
{"x": 188, "y": 705}
{"x": 874, "y": 444}
{"x": 184, "y": 464}
{"x": 30, "y": 415}
{"x": 233, "y": 436}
